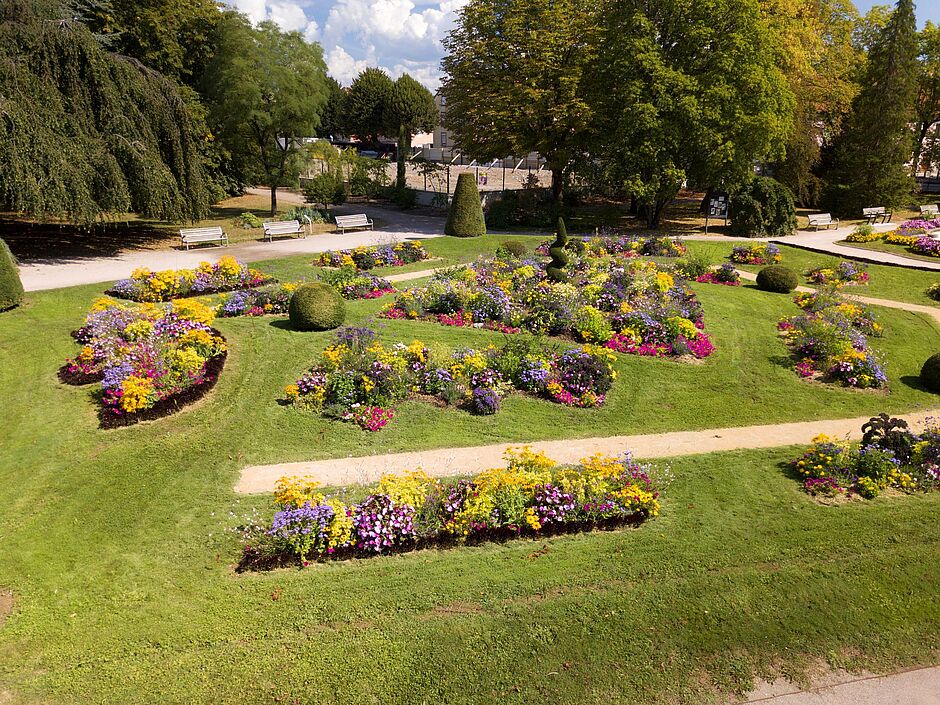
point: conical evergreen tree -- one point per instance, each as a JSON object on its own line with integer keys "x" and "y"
{"x": 11, "y": 288}
{"x": 466, "y": 213}
{"x": 877, "y": 142}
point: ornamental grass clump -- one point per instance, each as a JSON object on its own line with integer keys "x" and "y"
{"x": 228, "y": 274}
{"x": 360, "y": 380}
{"x": 150, "y": 360}
{"x": 531, "y": 496}
{"x": 890, "y": 456}
{"x": 829, "y": 341}
{"x": 395, "y": 255}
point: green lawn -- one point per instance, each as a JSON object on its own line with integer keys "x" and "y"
{"x": 882, "y": 246}
{"x": 114, "y": 542}
{"x": 886, "y": 282}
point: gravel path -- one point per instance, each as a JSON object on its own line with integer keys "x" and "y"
{"x": 919, "y": 686}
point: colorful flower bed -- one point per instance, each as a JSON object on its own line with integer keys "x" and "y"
{"x": 896, "y": 238}
{"x": 844, "y": 273}
{"x": 756, "y": 253}
{"x": 397, "y": 255}
{"x": 830, "y": 340}
{"x": 889, "y": 456}
{"x": 532, "y": 496}
{"x": 150, "y": 360}
{"x": 631, "y": 306}
{"x": 625, "y": 246}
{"x": 725, "y": 274}
{"x": 257, "y": 302}
{"x": 358, "y": 379}
{"x": 865, "y": 233}
{"x": 353, "y": 284}
{"x": 927, "y": 246}
{"x": 228, "y": 274}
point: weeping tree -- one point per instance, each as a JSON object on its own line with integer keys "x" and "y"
{"x": 85, "y": 133}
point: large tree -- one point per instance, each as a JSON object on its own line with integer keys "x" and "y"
{"x": 266, "y": 91}
{"x": 410, "y": 108}
{"x": 331, "y": 121}
{"x": 686, "y": 92}
{"x": 366, "y": 103}
{"x": 513, "y": 80}
{"x": 871, "y": 156}
{"x": 928, "y": 94}
{"x": 85, "y": 133}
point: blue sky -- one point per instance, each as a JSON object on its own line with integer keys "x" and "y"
{"x": 398, "y": 35}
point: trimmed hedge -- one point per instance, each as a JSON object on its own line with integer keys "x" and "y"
{"x": 316, "y": 307}
{"x": 11, "y": 288}
{"x": 930, "y": 373}
{"x": 466, "y": 212}
{"x": 780, "y": 280}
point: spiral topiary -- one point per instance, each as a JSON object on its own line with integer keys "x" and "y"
{"x": 11, "y": 288}
{"x": 556, "y": 268}
{"x": 780, "y": 280}
{"x": 316, "y": 307}
{"x": 930, "y": 373}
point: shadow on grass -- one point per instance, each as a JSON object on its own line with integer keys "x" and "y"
{"x": 914, "y": 382}
{"x": 52, "y": 242}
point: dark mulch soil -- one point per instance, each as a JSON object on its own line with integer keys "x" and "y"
{"x": 77, "y": 379}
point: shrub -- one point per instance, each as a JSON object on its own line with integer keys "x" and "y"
{"x": 528, "y": 207}
{"x": 930, "y": 373}
{"x": 405, "y": 198}
{"x": 556, "y": 268}
{"x": 933, "y": 291}
{"x": 693, "y": 266}
{"x": 326, "y": 188}
{"x": 865, "y": 233}
{"x": 11, "y": 288}
{"x": 780, "y": 280}
{"x": 511, "y": 248}
{"x": 248, "y": 221}
{"x": 466, "y": 213}
{"x": 762, "y": 208}
{"x": 316, "y": 307}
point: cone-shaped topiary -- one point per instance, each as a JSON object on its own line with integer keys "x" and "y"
{"x": 780, "y": 280}
{"x": 11, "y": 288}
{"x": 316, "y": 307}
{"x": 930, "y": 373}
{"x": 556, "y": 268}
{"x": 466, "y": 213}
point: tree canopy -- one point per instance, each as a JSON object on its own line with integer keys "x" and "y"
{"x": 365, "y": 105}
{"x": 410, "y": 109}
{"x": 85, "y": 133}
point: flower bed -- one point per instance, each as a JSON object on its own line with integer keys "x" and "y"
{"x": 227, "y": 274}
{"x": 634, "y": 306}
{"x": 532, "y": 496}
{"x": 726, "y": 274}
{"x": 757, "y": 253}
{"x": 865, "y": 233}
{"x": 844, "y": 273}
{"x": 397, "y": 255}
{"x": 926, "y": 246}
{"x": 257, "y": 302}
{"x": 889, "y": 456}
{"x": 353, "y": 284}
{"x": 150, "y": 360}
{"x": 830, "y": 340}
{"x": 626, "y": 246}
{"x": 896, "y": 238}
{"x": 358, "y": 379}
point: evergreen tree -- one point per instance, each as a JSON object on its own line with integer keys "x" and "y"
{"x": 410, "y": 108}
{"x": 928, "y": 97}
{"x": 366, "y": 105}
{"x": 331, "y": 122}
{"x": 871, "y": 156}
{"x": 466, "y": 213}
{"x": 11, "y": 288}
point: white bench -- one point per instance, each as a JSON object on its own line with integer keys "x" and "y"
{"x": 817, "y": 220}
{"x": 278, "y": 228}
{"x": 872, "y": 215}
{"x": 195, "y": 236}
{"x": 930, "y": 211}
{"x": 348, "y": 222}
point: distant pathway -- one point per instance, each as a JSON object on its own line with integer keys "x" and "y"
{"x": 915, "y": 686}
{"x": 470, "y": 460}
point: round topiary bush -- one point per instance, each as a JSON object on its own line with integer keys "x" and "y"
{"x": 316, "y": 307}
{"x": 513, "y": 248}
{"x": 11, "y": 288}
{"x": 930, "y": 373}
{"x": 466, "y": 212}
{"x": 780, "y": 280}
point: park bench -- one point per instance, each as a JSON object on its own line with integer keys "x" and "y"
{"x": 196, "y": 236}
{"x": 878, "y": 213}
{"x": 930, "y": 211}
{"x": 349, "y": 222}
{"x": 279, "y": 228}
{"x": 817, "y": 220}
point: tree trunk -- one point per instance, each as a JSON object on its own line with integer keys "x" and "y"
{"x": 274, "y": 199}
{"x": 404, "y": 145}
{"x": 634, "y": 205}
{"x": 557, "y": 185}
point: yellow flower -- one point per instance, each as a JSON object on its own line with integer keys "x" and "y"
{"x": 294, "y": 491}
{"x": 136, "y": 393}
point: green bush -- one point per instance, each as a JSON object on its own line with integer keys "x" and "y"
{"x": 762, "y": 208}
{"x": 930, "y": 373}
{"x": 933, "y": 291}
{"x": 556, "y": 268}
{"x": 693, "y": 265}
{"x": 316, "y": 307}
{"x": 326, "y": 188}
{"x": 511, "y": 248}
{"x": 466, "y": 213}
{"x": 780, "y": 280}
{"x": 248, "y": 220}
{"x": 405, "y": 198}
{"x": 527, "y": 207}
{"x": 11, "y": 288}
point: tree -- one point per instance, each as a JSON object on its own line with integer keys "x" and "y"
{"x": 466, "y": 213}
{"x": 871, "y": 156}
{"x": 513, "y": 80}
{"x": 686, "y": 92}
{"x": 85, "y": 133}
{"x": 366, "y": 104}
{"x": 11, "y": 288}
{"x": 266, "y": 90}
{"x": 762, "y": 207}
{"x": 410, "y": 108}
{"x": 928, "y": 93}
{"x": 331, "y": 121}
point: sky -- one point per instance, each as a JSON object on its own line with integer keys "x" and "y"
{"x": 400, "y": 35}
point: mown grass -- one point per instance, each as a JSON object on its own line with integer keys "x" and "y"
{"x": 882, "y": 246}
{"x": 114, "y": 544}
